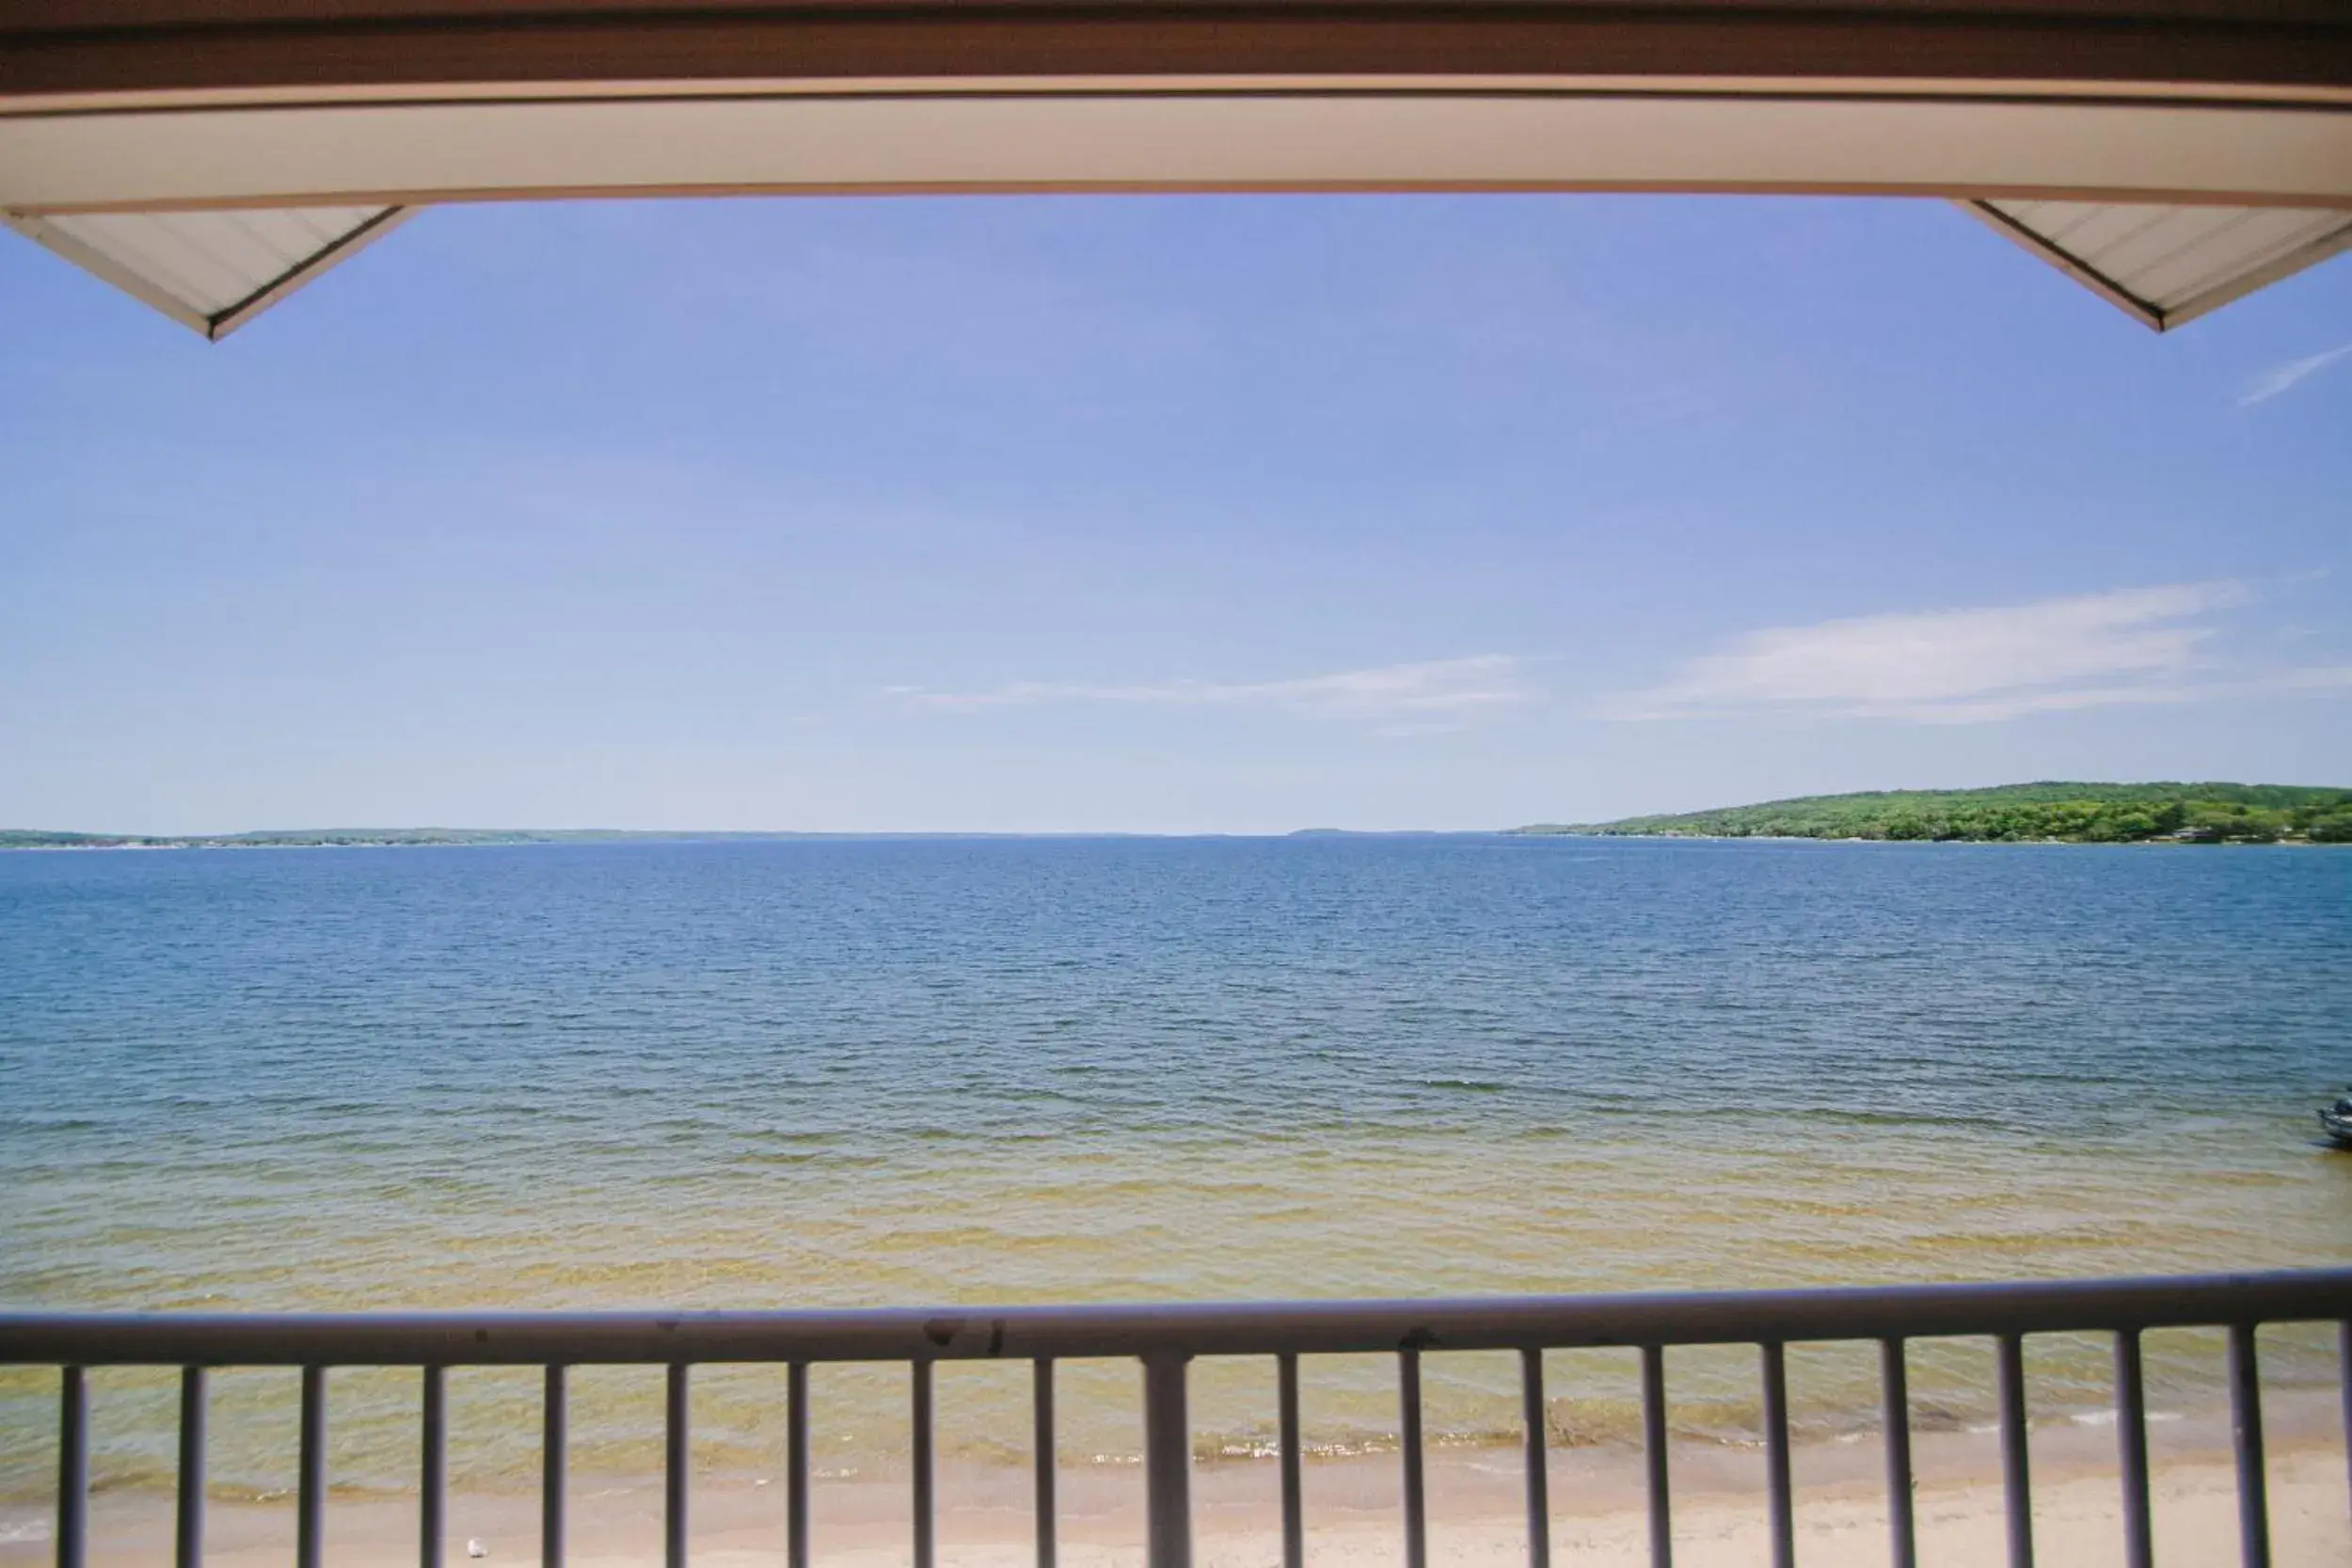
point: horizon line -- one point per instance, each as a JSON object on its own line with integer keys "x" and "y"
{"x": 524, "y": 836}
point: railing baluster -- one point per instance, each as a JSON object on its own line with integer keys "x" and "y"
{"x": 432, "y": 1471}
{"x": 2131, "y": 1447}
{"x": 1293, "y": 1499}
{"x": 1784, "y": 1506}
{"x": 2246, "y": 1432}
{"x": 1895, "y": 1415}
{"x": 2344, "y": 1386}
{"x": 311, "y": 1484}
{"x": 796, "y": 1467}
{"x": 187, "y": 1549}
{"x": 1042, "y": 1442}
{"x": 553, "y": 1442}
{"x": 1167, "y": 1463}
{"x": 1661, "y": 1528}
{"x": 1416, "y": 1511}
{"x": 1539, "y": 1458}
{"x": 1042, "y": 1411}
{"x": 677, "y": 1462}
{"x": 925, "y": 1497}
{"x": 2016, "y": 1480}
{"x": 72, "y": 1468}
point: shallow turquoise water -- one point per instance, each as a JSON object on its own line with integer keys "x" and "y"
{"x": 891, "y": 1072}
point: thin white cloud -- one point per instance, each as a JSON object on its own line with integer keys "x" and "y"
{"x": 2135, "y": 645}
{"x": 2276, "y": 683}
{"x": 1405, "y": 697}
{"x": 2279, "y": 378}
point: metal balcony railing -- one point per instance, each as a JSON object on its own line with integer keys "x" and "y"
{"x": 1164, "y": 1339}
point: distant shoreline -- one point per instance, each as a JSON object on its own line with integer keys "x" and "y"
{"x": 446, "y": 838}
{"x": 2048, "y": 812}
{"x": 450, "y": 838}
{"x": 407, "y": 838}
{"x": 11, "y": 843}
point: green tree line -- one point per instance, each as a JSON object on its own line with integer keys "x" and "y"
{"x": 2071, "y": 813}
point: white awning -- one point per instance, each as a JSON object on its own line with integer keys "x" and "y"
{"x": 209, "y": 155}
{"x": 212, "y": 270}
{"x": 2171, "y": 265}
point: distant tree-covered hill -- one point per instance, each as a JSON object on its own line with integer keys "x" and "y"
{"x": 2069, "y": 813}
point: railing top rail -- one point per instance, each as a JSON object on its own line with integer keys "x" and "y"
{"x": 1206, "y": 1328}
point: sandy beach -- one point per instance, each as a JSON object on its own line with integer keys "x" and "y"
{"x": 1475, "y": 1501}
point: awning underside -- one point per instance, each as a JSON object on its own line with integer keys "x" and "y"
{"x": 209, "y": 155}
{"x": 210, "y": 270}
{"x": 2171, "y": 265}
{"x": 2164, "y": 265}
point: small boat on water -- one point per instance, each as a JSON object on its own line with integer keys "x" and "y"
{"x": 2336, "y": 1120}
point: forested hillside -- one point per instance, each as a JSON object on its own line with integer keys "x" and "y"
{"x": 2071, "y": 813}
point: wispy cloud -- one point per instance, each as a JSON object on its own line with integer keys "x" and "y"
{"x": 1403, "y": 698}
{"x": 2279, "y": 378}
{"x": 2136, "y": 645}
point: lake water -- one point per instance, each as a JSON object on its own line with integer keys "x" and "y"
{"x": 986, "y": 1070}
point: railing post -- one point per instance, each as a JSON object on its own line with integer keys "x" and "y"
{"x": 72, "y": 1468}
{"x": 1293, "y": 1499}
{"x": 432, "y": 1469}
{"x": 1539, "y": 1479}
{"x": 2016, "y": 1462}
{"x": 188, "y": 1538}
{"x": 1042, "y": 1442}
{"x": 1167, "y": 1463}
{"x": 1775, "y": 1372}
{"x": 678, "y": 1465}
{"x": 796, "y": 1467}
{"x": 553, "y": 1441}
{"x": 2131, "y": 1449}
{"x": 2246, "y": 1432}
{"x": 926, "y": 1503}
{"x": 310, "y": 1483}
{"x": 2344, "y": 1387}
{"x": 1895, "y": 1406}
{"x": 1409, "y": 1440}
{"x": 1661, "y": 1529}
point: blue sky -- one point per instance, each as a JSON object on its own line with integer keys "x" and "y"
{"x": 1159, "y": 514}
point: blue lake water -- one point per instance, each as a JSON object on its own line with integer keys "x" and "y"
{"x": 917, "y": 1071}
